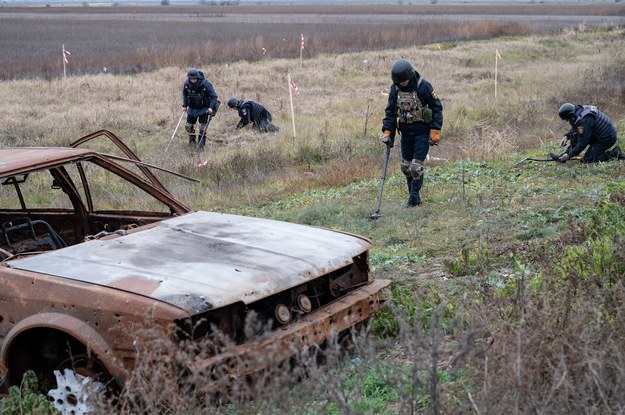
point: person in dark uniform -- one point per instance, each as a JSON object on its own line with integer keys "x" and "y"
{"x": 589, "y": 128}
{"x": 413, "y": 110}
{"x": 253, "y": 112}
{"x": 201, "y": 103}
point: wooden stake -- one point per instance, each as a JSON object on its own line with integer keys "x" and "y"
{"x": 63, "y": 54}
{"x": 291, "y": 99}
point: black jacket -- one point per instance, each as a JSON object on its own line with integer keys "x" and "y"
{"x": 589, "y": 126}
{"x": 426, "y": 96}
{"x": 250, "y": 111}
{"x": 199, "y": 97}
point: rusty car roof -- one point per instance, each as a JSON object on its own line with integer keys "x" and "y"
{"x": 204, "y": 260}
{"x": 15, "y": 160}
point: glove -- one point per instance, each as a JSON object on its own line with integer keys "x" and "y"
{"x": 564, "y": 158}
{"x": 386, "y": 138}
{"x": 210, "y": 111}
{"x": 435, "y": 135}
{"x": 564, "y": 141}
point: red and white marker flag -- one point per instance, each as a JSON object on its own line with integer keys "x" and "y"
{"x": 66, "y": 54}
{"x": 301, "y": 52}
{"x": 201, "y": 164}
{"x": 295, "y": 88}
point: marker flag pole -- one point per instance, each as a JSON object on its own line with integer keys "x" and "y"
{"x": 301, "y": 51}
{"x": 291, "y": 99}
{"x": 497, "y": 57}
{"x": 64, "y": 61}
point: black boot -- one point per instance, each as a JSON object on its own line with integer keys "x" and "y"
{"x": 191, "y": 140}
{"x": 415, "y": 192}
{"x": 617, "y": 153}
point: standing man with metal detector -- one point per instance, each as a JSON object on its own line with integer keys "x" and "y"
{"x": 201, "y": 103}
{"x": 415, "y": 112}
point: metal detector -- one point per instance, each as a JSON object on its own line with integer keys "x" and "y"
{"x": 552, "y": 157}
{"x": 202, "y": 139}
{"x": 377, "y": 214}
{"x": 176, "y": 129}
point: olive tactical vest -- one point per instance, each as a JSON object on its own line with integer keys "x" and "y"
{"x": 409, "y": 107}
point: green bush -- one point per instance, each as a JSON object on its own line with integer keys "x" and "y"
{"x": 27, "y": 399}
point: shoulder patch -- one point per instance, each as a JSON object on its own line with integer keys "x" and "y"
{"x": 580, "y": 130}
{"x": 434, "y": 95}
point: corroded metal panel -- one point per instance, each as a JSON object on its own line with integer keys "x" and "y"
{"x": 204, "y": 260}
{"x": 20, "y": 159}
{"x": 280, "y": 344}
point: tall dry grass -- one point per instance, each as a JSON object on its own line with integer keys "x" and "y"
{"x": 340, "y": 98}
{"x": 129, "y": 40}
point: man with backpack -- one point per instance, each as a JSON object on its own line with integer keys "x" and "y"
{"x": 254, "y": 113}
{"x": 201, "y": 102}
{"x": 589, "y": 128}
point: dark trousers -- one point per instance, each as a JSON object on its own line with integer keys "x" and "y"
{"x": 192, "y": 119}
{"x": 598, "y": 151}
{"x": 415, "y": 146}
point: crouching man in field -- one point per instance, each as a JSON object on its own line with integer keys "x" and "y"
{"x": 589, "y": 127}
{"x": 254, "y": 113}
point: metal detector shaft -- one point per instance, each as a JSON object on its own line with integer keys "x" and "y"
{"x": 175, "y": 129}
{"x": 376, "y": 214}
{"x": 202, "y": 140}
{"x": 552, "y": 157}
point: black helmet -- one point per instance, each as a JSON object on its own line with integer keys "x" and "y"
{"x": 193, "y": 73}
{"x": 401, "y": 70}
{"x": 567, "y": 111}
{"x": 233, "y": 102}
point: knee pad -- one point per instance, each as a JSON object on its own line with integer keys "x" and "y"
{"x": 190, "y": 128}
{"x": 416, "y": 169}
{"x": 405, "y": 167}
{"x": 203, "y": 128}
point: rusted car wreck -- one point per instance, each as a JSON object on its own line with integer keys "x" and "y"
{"x": 77, "y": 275}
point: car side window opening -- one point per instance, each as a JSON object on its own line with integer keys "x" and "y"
{"x": 49, "y": 209}
{"x": 111, "y": 192}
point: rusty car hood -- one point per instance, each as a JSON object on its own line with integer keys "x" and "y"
{"x": 203, "y": 260}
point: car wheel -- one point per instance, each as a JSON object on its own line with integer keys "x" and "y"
{"x": 80, "y": 386}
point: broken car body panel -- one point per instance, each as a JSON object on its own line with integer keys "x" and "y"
{"x": 80, "y": 277}
{"x": 217, "y": 257}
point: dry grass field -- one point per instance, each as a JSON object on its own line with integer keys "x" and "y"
{"x": 127, "y": 39}
{"x": 508, "y": 280}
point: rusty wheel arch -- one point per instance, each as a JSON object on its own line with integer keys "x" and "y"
{"x": 43, "y": 342}
{"x": 41, "y": 349}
